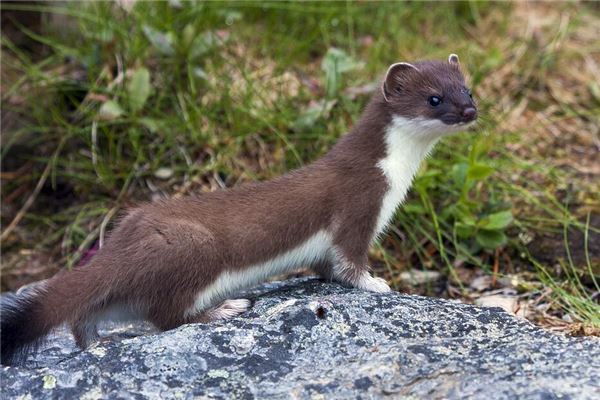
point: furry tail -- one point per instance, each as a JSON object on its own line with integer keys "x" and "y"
{"x": 26, "y": 318}
{"x": 23, "y": 324}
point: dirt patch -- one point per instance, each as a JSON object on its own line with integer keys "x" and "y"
{"x": 554, "y": 248}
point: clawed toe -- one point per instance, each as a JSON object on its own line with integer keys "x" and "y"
{"x": 230, "y": 308}
{"x": 237, "y": 304}
{"x": 371, "y": 284}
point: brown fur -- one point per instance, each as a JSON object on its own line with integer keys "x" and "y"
{"x": 161, "y": 255}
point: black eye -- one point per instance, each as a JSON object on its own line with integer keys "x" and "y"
{"x": 470, "y": 94}
{"x": 435, "y": 101}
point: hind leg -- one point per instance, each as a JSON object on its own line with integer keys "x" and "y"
{"x": 324, "y": 269}
{"x": 167, "y": 320}
{"x": 227, "y": 309}
{"x": 85, "y": 331}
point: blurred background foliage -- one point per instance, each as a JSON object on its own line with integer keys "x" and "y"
{"x": 108, "y": 104}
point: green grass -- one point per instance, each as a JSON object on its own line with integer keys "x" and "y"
{"x": 121, "y": 107}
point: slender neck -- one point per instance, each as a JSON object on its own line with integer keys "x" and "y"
{"x": 379, "y": 135}
{"x": 405, "y": 148}
{"x": 407, "y": 143}
{"x": 365, "y": 143}
{"x": 386, "y": 146}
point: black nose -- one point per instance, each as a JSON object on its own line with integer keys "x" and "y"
{"x": 469, "y": 114}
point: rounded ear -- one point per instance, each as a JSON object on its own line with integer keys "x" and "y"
{"x": 396, "y": 73}
{"x": 453, "y": 59}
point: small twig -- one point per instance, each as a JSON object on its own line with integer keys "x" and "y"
{"x": 27, "y": 204}
{"x": 94, "y": 137}
{"x": 543, "y": 296}
{"x": 496, "y": 267}
{"x": 105, "y": 222}
{"x": 10, "y": 175}
{"x": 120, "y": 75}
{"x": 14, "y": 194}
{"x": 82, "y": 246}
{"x": 95, "y": 147}
{"x": 30, "y": 200}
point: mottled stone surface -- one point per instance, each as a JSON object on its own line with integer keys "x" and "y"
{"x": 309, "y": 339}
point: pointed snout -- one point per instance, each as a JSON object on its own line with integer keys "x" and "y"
{"x": 469, "y": 114}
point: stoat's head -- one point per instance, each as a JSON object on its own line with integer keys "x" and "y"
{"x": 431, "y": 95}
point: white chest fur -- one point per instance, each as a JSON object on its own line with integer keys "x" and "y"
{"x": 408, "y": 141}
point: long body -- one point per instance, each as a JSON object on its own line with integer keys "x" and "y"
{"x": 180, "y": 261}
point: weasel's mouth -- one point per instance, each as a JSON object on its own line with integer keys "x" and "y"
{"x": 458, "y": 121}
{"x": 467, "y": 124}
{"x": 459, "y": 125}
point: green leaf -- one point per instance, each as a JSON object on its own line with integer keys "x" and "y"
{"x": 464, "y": 230}
{"x": 427, "y": 180}
{"x": 152, "y": 124}
{"x": 203, "y": 43}
{"x": 459, "y": 173}
{"x": 496, "y": 221}
{"x": 335, "y": 63}
{"x": 139, "y": 89}
{"x": 340, "y": 61}
{"x": 110, "y": 110}
{"x": 469, "y": 205}
{"x": 414, "y": 208}
{"x": 468, "y": 220}
{"x": 315, "y": 111}
{"x": 595, "y": 89}
{"x": 490, "y": 239}
{"x": 187, "y": 35}
{"x": 200, "y": 73}
{"x": 163, "y": 42}
{"x": 230, "y": 16}
{"x": 479, "y": 171}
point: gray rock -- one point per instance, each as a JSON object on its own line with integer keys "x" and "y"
{"x": 307, "y": 339}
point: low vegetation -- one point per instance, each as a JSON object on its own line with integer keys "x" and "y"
{"x": 106, "y": 104}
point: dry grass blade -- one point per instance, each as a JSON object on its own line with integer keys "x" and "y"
{"x": 30, "y": 200}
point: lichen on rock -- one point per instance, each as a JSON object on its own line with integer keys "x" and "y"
{"x": 306, "y": 338}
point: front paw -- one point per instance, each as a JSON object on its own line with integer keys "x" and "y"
{"x": 371, "y": 284}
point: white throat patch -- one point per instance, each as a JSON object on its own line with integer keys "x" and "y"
{"x": 408, "y": 142}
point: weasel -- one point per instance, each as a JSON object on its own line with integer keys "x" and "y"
{"x": 180, "y": 261}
